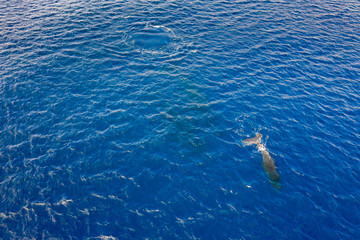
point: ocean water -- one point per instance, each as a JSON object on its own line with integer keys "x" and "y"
{"x": 125, "y": 119}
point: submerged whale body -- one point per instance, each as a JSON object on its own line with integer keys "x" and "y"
{"x": 268, "y": 162}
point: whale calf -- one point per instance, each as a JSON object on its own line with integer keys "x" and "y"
{"x": 268, "y": 162}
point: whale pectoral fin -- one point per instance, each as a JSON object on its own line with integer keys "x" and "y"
{"x": 276, "y": 185}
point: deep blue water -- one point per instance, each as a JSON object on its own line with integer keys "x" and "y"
{"x": 125, "y": 119}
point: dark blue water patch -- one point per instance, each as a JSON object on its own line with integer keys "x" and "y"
{"x": 125, "y": 120}
{"x": 152, "y": 37}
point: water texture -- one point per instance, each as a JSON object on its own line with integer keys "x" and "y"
{"x": 125, "y": 119}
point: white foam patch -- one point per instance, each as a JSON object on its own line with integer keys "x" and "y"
{"x": 261, "y": 147}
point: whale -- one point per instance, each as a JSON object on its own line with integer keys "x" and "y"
{"x": 268, "y": 162}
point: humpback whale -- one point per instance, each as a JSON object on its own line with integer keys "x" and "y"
{"x": 268, "y": 162}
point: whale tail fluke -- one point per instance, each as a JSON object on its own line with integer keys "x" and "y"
{"x": 255, "y": 140}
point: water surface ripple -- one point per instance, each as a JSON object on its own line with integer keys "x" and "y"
{"x": 125, "y": 119}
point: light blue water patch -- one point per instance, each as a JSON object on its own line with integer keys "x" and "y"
{"x": 125, "y": 120}
{"x": 152, "y": 37}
